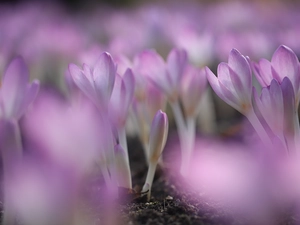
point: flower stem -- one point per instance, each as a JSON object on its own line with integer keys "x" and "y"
{"x": 186, "y": 142}
{"x": 149, "y": 179}
{"x": 260, "y": 130}
{"x": 123, "y": 141}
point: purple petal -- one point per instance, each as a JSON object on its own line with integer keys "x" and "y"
{"x": 176, "y": 63}
{"x": 104, "y": 74}
{"x": 29, "y": 97}
{"x": 221, "y": 90}
{"x": 158, "y": 135}
{"x": 265, "y": 73}
{"x": 151, "y": 65}
{"x": 290, "y": 111}
{"x": 192, "y": 86}
{"x": 129, "y": 82}
{"x": 14, "y": 85}
{"x": 82, "y": 82}
{"x": 285, "y": 63}
{"x": 239, "y": 64}
{"x": 214, "y": 82}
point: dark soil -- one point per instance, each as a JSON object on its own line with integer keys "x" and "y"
{"x": 173, "y": 201}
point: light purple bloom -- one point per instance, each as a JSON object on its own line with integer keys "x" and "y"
{"x": 16, "y": 94}
{"x": 71, "y": 138}
{"x": 166, "y": 76}
{"x": 121, "y": 98}
{"x": 192, "y": 87}
{"x": 284, "y": 63}
{"x": 234, "y": 81}
{"x": 276, "y": 105}
{"x": 96, "y": 82}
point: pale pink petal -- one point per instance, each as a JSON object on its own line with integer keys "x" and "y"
{"x": 14, "y": 86}
{"x": 265, "y": 75}
{"x": 285, "y": 63}
{"x": 104, "y": 76}
{"x": 82, "y": 82}
{"x": 239, "y": 64}
{"x": 176, "y": 63}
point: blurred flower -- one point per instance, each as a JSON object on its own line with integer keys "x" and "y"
{"x": 193, "y": 85}
{"x": 96, "y": 82}
{"x": 284, "y": 63}
{"x": 234, "y": 82}
{"x": 57, "y": 130}
{"x": 121, "y": 98}
{"x": 166, "y": 76}
{"x": 16, "y": 94}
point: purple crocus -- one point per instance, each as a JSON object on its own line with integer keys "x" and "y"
{"x": 284, "y": 63}
{"x": 121, "y": 98}
{"x": 234, "y": 81}
{"x": 234, "y": 86}
{"x": 276, "y": 105}
{"x": 96, "y": 82}
{"x": 166, "y": 76}
{"x": 193, "y": 85}
{"x": 16, "y": 94}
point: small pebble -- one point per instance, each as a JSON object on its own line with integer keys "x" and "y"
{"x": 169, "y": 197}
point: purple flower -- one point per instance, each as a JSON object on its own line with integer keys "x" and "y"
{"x": 70, "y": 137}
{"x": 192, "y": 87}
{"x": 166, "y": 76}
{"x": 276, "y": 105}
{"x": 284, "y": 63}
{"x": 16, "y": 93}
{"x": 234, "y": 81}
{"x": 121, "y": 98}
{"x": 97, "y": 82}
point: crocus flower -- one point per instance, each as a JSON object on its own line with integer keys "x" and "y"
{"x": 119, "y": 104}
{"x": 157, "y": 140}
{"x": 234, "y": 86}
{"x": 234, "y": 82}
{"x": 121, "y": 98}
{"x": 166, "y": 76}
{"x": 192, "y": 87}
{"x": 284, "y": 63}
{"x": 58, "y": 131}
{"x": 16, "y": 94}
{"x": 276, "y": 104}
{"x": 96, "y": 82}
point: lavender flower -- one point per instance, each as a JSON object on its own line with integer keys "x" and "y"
{"x": 284, "y": 63}
{"x": 96, "y": 82}
{"x": 16, "y": 94}
{"x": 157, "y": 141}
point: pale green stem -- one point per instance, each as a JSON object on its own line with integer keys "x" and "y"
{"x": 149, "y": 179}
{"x": 190, "y": 142}
{"x": 123, "y": 141}
{"x": 183, "y": 137}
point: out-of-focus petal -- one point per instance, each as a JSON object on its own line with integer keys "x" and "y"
{"x": 240, "y": 66}
{"x": 285, "y": 63}
{"x": 176, "y": 62}
{"x": 214, "y": 82}
{"x": 265, "y": 73}
{"x": 158, "y": 135}
{"x": 104, "y": 73}
{"x": 82, "y": 82}
{"x": 14, "y": 86}
{"x": 31, "y": 93}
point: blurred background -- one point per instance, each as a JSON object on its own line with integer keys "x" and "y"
{"x": 50, "y": 35}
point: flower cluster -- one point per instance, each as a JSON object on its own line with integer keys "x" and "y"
{"x": 53, "y": 143}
